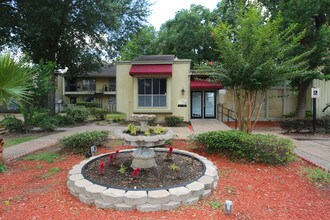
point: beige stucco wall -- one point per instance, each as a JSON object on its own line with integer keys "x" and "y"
{"x": 324, "y": 98}
{"x": 127, "y": 91}
{"x": 278, "y": 102}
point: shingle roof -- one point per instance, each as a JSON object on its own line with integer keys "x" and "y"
{"x": 105, "y": 71}
{"x": 155, "y": 58}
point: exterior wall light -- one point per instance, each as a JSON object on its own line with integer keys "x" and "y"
{"x": 182, "y": 91}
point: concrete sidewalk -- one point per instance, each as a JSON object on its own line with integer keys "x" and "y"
{"x": 315, "y": 151}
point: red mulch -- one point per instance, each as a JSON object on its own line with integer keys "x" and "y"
{"x": 261, "y": 124}
{"x": 257, "y": 191}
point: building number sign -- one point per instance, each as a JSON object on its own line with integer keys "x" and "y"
{"x": 315, "y": 93}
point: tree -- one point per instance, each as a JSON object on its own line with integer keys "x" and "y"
{"x": 255, "y": 55}
{"x": 143, "y": 43}
{"x": 188, "y": 35}
{"x": 73, "y": 34}
{"x": 14, "y": 80}
{"x": 312, "y": 16}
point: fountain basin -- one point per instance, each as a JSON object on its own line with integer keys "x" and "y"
{"x": 144, "y": 199}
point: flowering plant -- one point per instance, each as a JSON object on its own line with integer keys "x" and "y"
{"x": 102, "y": 170}
{"x": 135, "y": 173}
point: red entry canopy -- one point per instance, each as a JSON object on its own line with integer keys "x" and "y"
{"x": 202, "y": 84}
{"x": 151, "y": 69}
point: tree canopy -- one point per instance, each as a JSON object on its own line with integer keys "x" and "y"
{"x": 73, "y": 34}
{"x": 188, "y": 35}
{"x": 313, "y": 17}
{"x": 142, "y": 43}
{"x": 255, "y": 55}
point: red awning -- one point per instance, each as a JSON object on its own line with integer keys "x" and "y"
{"x": 151, "y": 69}
{"x": 202, "y": 84}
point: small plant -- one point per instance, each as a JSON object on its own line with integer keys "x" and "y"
{"x": 132, "y": 129}
{"x": 216, "y": 205}
{"x": 174, "y": 167}
{"x": 317, "y": 175}
{"x": 48, "y": 157}
{"x": 3, "y": 168}
{"x": 122, "y": 169}
{"x": 135, "y": 173}
{"x": 110, "y": 159}
{"x": 116, "y": 153}
{"x": 158, "y": 130}
{"x": 147, "y": 132}
{"x": 51, "y": 172}
{"x": 102, "y": 170}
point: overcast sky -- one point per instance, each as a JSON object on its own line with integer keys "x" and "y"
{"x": 163, "y": 10}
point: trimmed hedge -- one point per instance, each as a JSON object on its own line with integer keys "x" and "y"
{"x": 81, "y": 142}
{"x": 259, "y": 148}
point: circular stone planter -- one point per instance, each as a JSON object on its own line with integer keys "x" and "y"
{"x": 142, "y": 199}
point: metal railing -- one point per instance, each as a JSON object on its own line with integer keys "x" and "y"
{"x": 230, "y": 114}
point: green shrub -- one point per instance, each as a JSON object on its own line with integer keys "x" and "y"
{"x": 173, "y": 121}
{"x": 80, "y": 143}
{"x": 48, "y": 123}
{"x": 64, "y": 119}
{"x": 99, "y": 113}
{"x": 38, "y": 117}
{"x": 298, "y": 125}
{"x": 12, "y": 124}
{"x": 77, "y": 113}
{"x": 118, "y": 119}
{"x": 324, "y": 123}
{"x": 88, "y": 104}
{"x": 260, "y": 148}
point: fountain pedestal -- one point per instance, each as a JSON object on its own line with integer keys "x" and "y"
{"x": 143, "y": 158}
{"x": 144, "y": 154}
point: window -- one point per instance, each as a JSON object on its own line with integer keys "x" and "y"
{"x": 112, "y": 84}
{"x": 88, "y": 84}
{"x": 152, "y": 92}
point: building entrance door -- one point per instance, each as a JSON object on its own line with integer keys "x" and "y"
{"x": 203, "y": 104}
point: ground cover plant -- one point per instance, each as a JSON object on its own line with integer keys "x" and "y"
{"x": 37, "y": 189}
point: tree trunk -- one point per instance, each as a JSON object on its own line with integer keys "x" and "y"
{"x": 1, "y": 151}
{"x": 301, "y": 102}
{"x": 51, "y": 97}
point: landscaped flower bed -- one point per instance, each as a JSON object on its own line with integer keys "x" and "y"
{"x": 36, "y": 189}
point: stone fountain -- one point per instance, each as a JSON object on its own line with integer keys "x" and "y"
{"x": 144, "y": 154}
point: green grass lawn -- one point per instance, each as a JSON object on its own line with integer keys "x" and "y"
{"x": 14, "y": 141}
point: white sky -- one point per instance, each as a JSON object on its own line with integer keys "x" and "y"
{"x": 163, "y": 10}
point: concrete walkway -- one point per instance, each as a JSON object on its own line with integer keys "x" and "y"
{"x": 315, "y": 151}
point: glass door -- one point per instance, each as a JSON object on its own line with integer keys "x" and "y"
{"x": 196, "y": 104}
{"x": 209, "y": 104}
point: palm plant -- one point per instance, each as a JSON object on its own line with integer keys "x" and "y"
{"x": 15, "y": 80}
